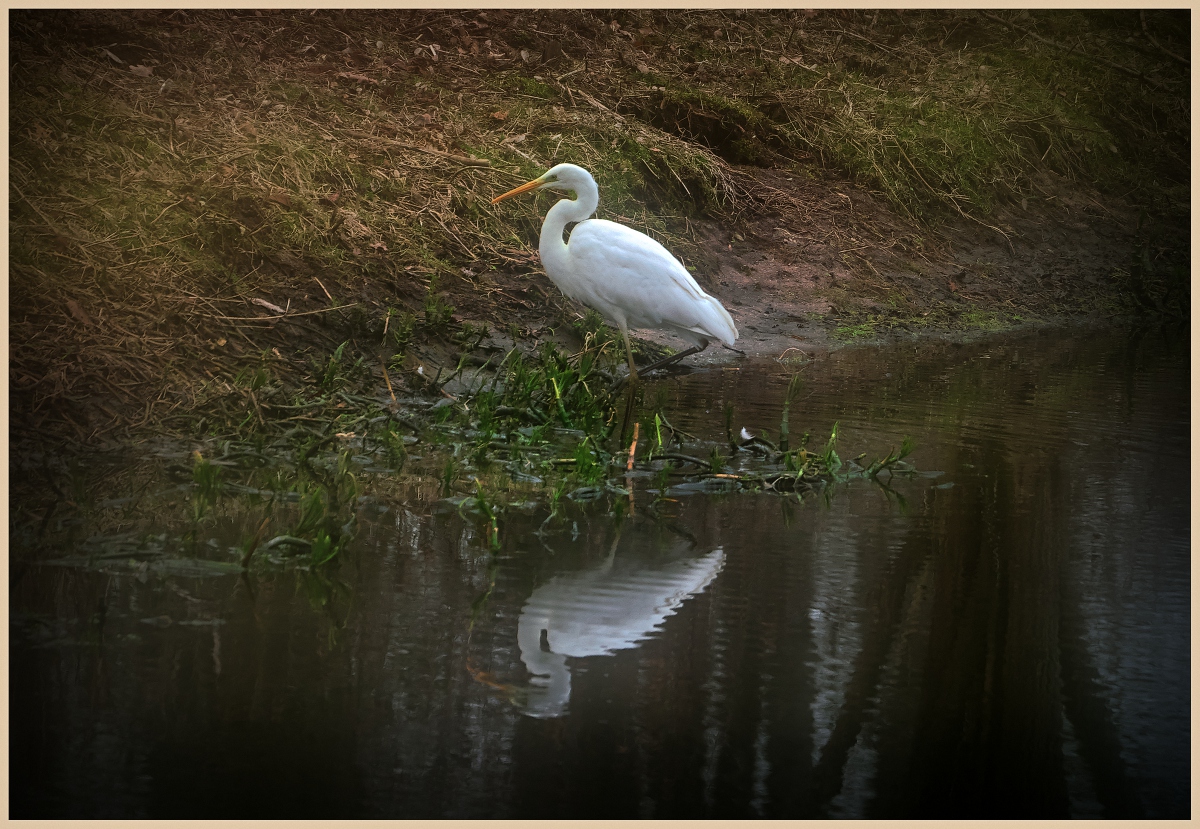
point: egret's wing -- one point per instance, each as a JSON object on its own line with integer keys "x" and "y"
{"x": 619, "y": 268}
{"x": 616, "y": 246}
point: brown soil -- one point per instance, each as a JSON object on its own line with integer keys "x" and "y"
{"x": 793, "y": 277}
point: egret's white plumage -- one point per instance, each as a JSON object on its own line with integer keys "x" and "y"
{"x": 632, "y": 280}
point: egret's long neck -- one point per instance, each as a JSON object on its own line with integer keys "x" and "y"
{"x": 552, "y": 247}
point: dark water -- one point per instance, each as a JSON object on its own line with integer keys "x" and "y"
{"x": 1008, "y": 639}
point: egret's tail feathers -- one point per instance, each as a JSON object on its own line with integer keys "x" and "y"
{"x": 714, "y": 323}
{"x": 722, "y": 328}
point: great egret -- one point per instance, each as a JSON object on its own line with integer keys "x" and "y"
{"x": 628, "y": 277}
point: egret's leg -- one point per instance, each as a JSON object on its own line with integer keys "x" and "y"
{"x": 629, "y": 353}
{"x": 627, "y": 417}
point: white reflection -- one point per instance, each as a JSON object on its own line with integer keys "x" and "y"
{"x": 597, "y": 612}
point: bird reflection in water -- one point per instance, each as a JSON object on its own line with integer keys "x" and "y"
{"x": 598, "y": 612}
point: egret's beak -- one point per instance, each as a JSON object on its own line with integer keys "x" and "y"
{"x": 524, "y": 188}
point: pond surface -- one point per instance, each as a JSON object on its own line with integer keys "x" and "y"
{"x": 1009, "y": 638}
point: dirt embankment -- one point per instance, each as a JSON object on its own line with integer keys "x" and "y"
{"x": 206, "y": 203}
{"x": 793, "y": 280}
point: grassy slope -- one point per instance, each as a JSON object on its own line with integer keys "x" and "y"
{"x": 323, "y": 160}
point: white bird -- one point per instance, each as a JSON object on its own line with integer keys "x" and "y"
{"x": 632, "y": 280}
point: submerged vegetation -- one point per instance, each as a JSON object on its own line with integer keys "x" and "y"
{"x": 533, "y": 428}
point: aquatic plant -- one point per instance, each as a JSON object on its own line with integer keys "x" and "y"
{"x": 828, "y": 458}
{"x": 890, "y": 461}
{"x": 490, "y": 513}
{"x": 207, "y": 479}
{"x": 326, "y": 517}
{"x": 793, "y": 390}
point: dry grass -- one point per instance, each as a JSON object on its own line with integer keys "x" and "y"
{"x": 178, "y": 178}
{"x": 159, "y": 222}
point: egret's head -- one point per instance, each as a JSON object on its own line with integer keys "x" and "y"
{"x": 563, "y": 178}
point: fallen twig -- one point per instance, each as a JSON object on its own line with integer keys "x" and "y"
{"x": 461, "y": 159}
{"x": 1094, "y": 58}
{"x": 676, "y": 456}
{"x": 1164, "y": 49}
{"x": 276, "y": 316}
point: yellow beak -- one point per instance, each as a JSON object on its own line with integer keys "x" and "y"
{"x": 524, "y": 188}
